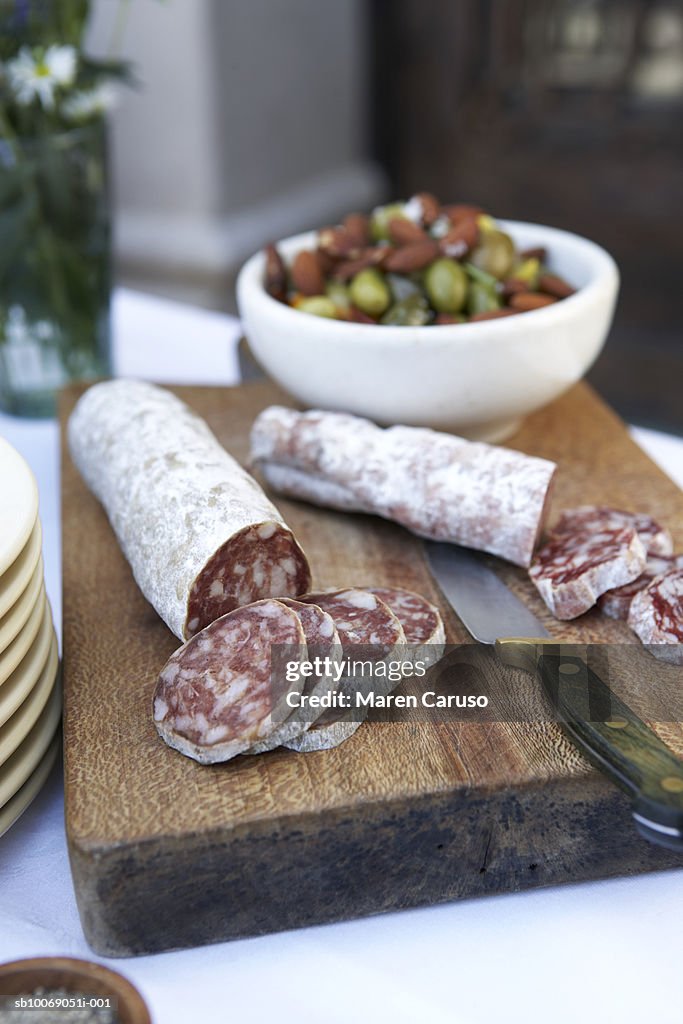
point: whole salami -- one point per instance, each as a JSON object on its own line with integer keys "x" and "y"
{"x": 216, "y": 695}
{"x": 656, "y": 617}
{"x": 199, "y": 533}
{"x": 437, "y": 485}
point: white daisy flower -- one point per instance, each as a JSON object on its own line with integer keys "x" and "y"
{"x": 37, "y": 77}
{"x": 81, "y": 106}
{"x": 61, "y": 63}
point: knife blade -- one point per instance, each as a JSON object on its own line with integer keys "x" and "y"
{"x": 597, "y": 721}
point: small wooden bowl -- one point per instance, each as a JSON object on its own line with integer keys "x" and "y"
{"x": 77, "y": 976}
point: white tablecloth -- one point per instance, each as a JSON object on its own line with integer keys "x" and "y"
{"x": 597, "y": 951}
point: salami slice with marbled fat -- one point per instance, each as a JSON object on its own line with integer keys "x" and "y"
{"x": 421, "y": 621}
{"x": 322, "y": 640}
{"x": 200, "y": 535}
{"x": 656, "y": 617}
{"x": 590, "y": 518}
{"x": 435, "y": 484}
{"x": 217, "y": 695}
{"x": 617, "y": 603}
{"x": 572, "y": 571}
{"x": 363, "y": 620}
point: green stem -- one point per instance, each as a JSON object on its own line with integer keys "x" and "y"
{"x": 7, "y": 133}
{"x": 116, "y": 42}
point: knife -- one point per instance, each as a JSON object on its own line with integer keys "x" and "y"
{"x": 598, "y": 722}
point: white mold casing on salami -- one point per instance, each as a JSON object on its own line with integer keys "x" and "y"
{"x": 571, "y": 572}
{"x": 322, "y": 640}
{"x": 437, "y": 485}
{"x": 656, "y": 617}
{"x": 217, "y": 695}
{"x": 363, "y": 620}
{"x": 200, "y": 535}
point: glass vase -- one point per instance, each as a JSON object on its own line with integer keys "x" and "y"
{"x": 55, "y": 266}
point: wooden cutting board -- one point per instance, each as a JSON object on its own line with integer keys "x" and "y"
{"x": 166, "y": 853}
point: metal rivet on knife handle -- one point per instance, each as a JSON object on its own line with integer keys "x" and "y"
{"x": 672, "y": 784}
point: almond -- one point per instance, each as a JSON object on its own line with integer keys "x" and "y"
{"x": 447, "y": 318}
{"x": 494, "y": 314}
{"x": 462, "y": 237}
{"x": 462, "y": 211}
{"x": 412, "y": 257}
{"x": 404, "y": 232}
{"x": 431, "y": 207}
{"x": 338, "y": 243}
{"x": 374, "y": 256}
{"x": 357, "y": 227}
{"x": 327, "y": 263}
{"x": 359, "y": 316}
{"x": 524, "y": 301}
{"x": 307, "y": 275}
{"x": 539, "y": 253}
{"x": 513, "y": 285}
{"x": 275, "y": 277}
{"x": 551, "y": 284}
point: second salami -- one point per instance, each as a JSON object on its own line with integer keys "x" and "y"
{"x": 437, "y": 485}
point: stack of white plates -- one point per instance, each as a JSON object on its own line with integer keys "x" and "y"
{"x": 30, "y": 690}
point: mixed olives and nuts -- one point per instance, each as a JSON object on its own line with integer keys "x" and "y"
{"x": 415, "y": 262}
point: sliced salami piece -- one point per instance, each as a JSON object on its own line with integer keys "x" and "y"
{"x": 421, "y": 621}
{"x": 656, "y": 617}
{"x": 215, "y": 697}
{"x": 435, "y": 484}
{"x": 572, "y": 571}
{"x": 322, "y": 640}
{"x": 324, "y": 735}
{"x": 199, "y": 533}
{"x": 616, "y": 603}
{"x": 591, "y": 518}
{"x": 362, "y": 619}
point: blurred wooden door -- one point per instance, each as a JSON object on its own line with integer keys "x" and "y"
{"x": 566, "y": 112}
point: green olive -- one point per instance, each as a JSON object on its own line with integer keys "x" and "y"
{"x": 480, "y": 275}
{"x": 495, "y": 254}
{"x": 409, "y": 312}
{"x": 446, "y": 284}
{"x": 482, "y": 298}
{"x": 527, "y": 271}
{"x": 318, "y": 305}
{"x": 339, "y": 294}
{"x": 379, "y": 221}
{"x": 485, "y": 222}
{"x": 370, "y": 292}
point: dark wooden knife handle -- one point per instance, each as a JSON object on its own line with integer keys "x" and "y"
{"x": 614, "y": 738}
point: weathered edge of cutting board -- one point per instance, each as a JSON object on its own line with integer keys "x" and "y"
{"x": 166, "y": 853}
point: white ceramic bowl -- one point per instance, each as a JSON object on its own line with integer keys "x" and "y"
{"x": 477, "y": 380}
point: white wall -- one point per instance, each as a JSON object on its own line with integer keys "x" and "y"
{"x": 250, "y": 124}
